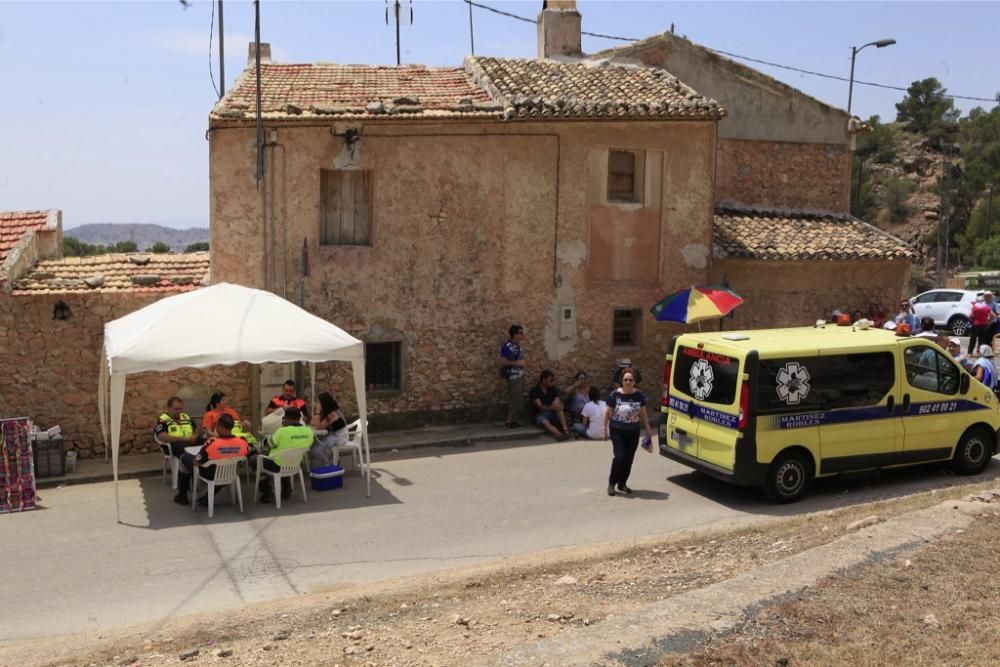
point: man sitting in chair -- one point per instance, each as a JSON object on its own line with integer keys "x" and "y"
{"x": 174, "y": 428}
{"x": 291, "y": 435}
{"x": 224, "y": 445}
{"x": 288, "y": 398}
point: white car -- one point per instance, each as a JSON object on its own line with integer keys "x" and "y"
{"x": 949, "y": 308}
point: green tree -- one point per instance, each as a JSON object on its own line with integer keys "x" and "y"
{"x": 124, "y": 246}
{"x": 896, "y": 192}
{"x": 926, "y": 110}
{"x": 159, "y": 248}
{"x": 988, "y": 254}
{"x": 200, "y": 246}
{"x": 879, "y": 145}
{"x": 74, "y": 247}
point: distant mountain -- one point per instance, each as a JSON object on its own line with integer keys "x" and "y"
{"x": 144, "y": 235}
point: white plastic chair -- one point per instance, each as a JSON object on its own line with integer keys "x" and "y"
{"x": 226, "y": 474}
{"x": 291, "y": 466}
{"x": 353, "y": 445}
{"x": 168, "y": 459}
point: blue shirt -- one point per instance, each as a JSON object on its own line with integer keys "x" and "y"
{"x": 910, "y": 319}
{"x": 512, "y": 352}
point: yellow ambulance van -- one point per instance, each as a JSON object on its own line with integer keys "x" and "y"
{"x": 779, "y": 407}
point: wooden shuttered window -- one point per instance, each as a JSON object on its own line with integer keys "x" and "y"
{"x": 345, "y": 216}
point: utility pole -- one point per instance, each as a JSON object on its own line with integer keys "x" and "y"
{"x": 396, "y": 6}
{"x": 472, "y": 36}
{"x": 222, "y": 55}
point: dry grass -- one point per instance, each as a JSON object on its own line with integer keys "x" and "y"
{"x": 936, "y": 606}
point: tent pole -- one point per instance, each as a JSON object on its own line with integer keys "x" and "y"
{"x": 102, "y": 398}
{"x": 117, "y": 401}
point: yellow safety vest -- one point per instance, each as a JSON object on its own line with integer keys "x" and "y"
{"x": 240, "y": 433}
{"x": 183, "y": 428}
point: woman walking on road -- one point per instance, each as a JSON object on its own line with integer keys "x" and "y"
{"x": 626, "y": 411}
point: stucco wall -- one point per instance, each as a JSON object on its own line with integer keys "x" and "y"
{"x": 799, "y": 293}
{"x": 772, "y": 174}
{"x": 50, "y": 371}
{"x": 759, "y": 107}
{"x": 470, "y": 235}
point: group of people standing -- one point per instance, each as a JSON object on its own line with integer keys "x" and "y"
{"x": 620, "y": 418}
{"x": 222, "y": 436}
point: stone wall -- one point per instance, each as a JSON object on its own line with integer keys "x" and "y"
{"x": 780, "y": 294}
{"x": 770, "y": 174}
{"x": 476, "y": 226}
{"x": 49, "y": 371}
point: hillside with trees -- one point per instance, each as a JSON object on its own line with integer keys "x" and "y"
{"x": 932, "y": 178}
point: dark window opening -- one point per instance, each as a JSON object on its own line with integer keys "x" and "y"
{"x": 624, "y": 176}
{"x": 625, "y": 328}
{"x": 809, "y": 384}
{"x": 383, "y": 366}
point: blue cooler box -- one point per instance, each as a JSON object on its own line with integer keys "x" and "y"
{"x": 327, "y": 477}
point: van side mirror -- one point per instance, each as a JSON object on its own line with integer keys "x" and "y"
{"x": 963, "y": 384}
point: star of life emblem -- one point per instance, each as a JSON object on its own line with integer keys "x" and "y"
{"x": 701, "y": 380}
{"x": 793, "y": 383}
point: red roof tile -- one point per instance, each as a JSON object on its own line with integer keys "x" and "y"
{"x": 496, "y": 88}
{"x": 331, "y": 89}
{"x": 15, "y": 224}
{"x": 135, "y": 272}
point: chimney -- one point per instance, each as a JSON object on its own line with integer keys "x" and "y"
{"x": 559, "y": 29}
{"x": 265, "y": 54}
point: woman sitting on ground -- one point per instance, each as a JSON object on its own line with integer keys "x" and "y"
{"x": 330, "y": 419}
{"x": 591, "y": 424}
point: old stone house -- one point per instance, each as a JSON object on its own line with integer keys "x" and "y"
{"x": 784, "y": 238}
{"x": 425, "y": 209}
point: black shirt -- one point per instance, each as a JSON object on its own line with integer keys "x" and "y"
{"x": 546, "y": 396}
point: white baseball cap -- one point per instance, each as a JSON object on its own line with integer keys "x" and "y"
{"x": 985, "y": 351}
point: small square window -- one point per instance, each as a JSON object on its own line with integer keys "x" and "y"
{"x": 625, "y": 176}
{"x": 383, "y": 366}
{"x": 625, "y": 329}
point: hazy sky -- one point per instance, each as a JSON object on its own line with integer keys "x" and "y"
{"x": 105, "y": 104}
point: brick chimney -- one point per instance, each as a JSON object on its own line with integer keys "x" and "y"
{"x": 559, "y": 29}
{"x": 265, "y": 54}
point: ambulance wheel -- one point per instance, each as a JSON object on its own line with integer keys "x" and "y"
{"x": 788, "y": 478}
{"x": 973, "y": 452}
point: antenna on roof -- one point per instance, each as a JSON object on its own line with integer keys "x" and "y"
{"x": 396, "y": 6}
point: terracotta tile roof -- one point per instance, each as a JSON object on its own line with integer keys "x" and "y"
{"x": 326, "y": 89}
{"x": 15, "y": 224}
{"x": 549, "y": 89}
{"x": 791, "y": 235}
{"x": 497, "y": 88}
{"x": 134, "y": 272}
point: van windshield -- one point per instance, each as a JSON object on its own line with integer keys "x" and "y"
{"x": 707, "y": 376}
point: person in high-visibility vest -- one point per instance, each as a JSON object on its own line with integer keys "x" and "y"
{"x": 216, "y": 408}
{"x": 291, "y": 435}
{"x": 174, "y": 428}
{"x": 288, "y": 398}
{"x": 223, "y": 446}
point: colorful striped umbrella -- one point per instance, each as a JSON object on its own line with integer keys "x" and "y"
{"x": 696, "y": 303}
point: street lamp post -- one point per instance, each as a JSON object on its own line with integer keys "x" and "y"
{"x": 880, "y": 44}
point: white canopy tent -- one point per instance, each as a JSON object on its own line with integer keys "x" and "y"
{"x": 223, "y": 324}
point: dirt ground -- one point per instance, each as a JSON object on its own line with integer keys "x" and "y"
{"x": 879, "y": 615}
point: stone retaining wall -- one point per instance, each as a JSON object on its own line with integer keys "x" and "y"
{"x": 49, "y": 371}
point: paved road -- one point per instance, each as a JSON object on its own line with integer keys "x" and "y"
{"x": 80, "y": 571}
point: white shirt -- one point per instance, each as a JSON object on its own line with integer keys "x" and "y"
{"x": 594, "y": 412}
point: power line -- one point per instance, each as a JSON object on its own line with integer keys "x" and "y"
{"x": 741, "y": 57}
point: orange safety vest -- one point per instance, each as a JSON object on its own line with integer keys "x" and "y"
{"x": 225, "y": 448}
{"x": 280, "y": 401}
